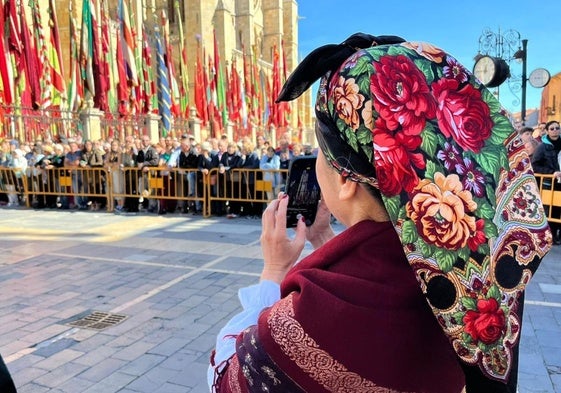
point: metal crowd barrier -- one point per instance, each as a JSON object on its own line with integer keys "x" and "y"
{"x": 245, "y": 186}
{"x": 188, "y": 186}
{"x": 550, "y": 191}
{"x": 106, "y": 185}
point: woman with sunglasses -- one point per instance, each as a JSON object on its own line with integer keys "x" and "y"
{"x": 547, "y": 160}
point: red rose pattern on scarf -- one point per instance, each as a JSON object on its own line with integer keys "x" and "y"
{"x": 456, "y": 182}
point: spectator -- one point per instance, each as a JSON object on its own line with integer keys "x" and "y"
{"x": 546, "y": 160}
{"x": 525, "y": 133}
{"x": 115, "y": 163}
{"x": 250, "y": 161}
{"x": 147, "y": 157}
{"x": 19, "y": 168}
{"x": 188, "y": 160}
{"x": 92, "y": 157}
{"x": 206, "y": 162}
{"x": 271, "y": 162}
{"x": 72, "y": 160}
{"x": 229, "y": 181}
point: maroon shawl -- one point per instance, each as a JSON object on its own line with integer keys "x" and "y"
{"x": 351, "y": 318}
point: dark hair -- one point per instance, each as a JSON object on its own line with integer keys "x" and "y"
{"x": 525, "y": 129}
{"x": 550, "y": 123}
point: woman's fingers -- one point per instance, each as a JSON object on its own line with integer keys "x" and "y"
{"x": 280, "y": 219}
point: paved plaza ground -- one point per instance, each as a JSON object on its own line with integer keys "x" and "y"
{"x": 156, "y": 290}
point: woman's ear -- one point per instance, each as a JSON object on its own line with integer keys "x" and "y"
{"x": 347, "y": 188}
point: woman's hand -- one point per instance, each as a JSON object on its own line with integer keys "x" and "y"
{"x": 280, "y": 252}
{"x": 320, "y": 231}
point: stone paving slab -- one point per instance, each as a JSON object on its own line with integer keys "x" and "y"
{"x": 176, "y": 278}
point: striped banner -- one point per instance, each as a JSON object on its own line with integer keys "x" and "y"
{"x": 127, "y": 40}
{"x": 164, "y": 98}
{"x": 41, "y": 47}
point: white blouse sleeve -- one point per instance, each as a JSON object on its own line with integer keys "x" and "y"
{"x": 253, "y": 300}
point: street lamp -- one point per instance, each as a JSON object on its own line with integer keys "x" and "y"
{"x": 492, "y": 62}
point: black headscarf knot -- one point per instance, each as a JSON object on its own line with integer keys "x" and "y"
{"x": 328, "y": 58}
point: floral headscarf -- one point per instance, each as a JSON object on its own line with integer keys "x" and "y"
{"x": 409, "y": 120}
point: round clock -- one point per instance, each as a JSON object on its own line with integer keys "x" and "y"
{"x": 491, "y": 71}
{"x": 539, "y": 77}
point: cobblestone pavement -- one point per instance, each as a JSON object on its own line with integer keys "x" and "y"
{"x": 174, "y": 279}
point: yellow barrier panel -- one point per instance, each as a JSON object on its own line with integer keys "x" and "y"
{"x": 242, "y": 191}
{"x": 550, "y": 191}
{"x": 247, "y": 190}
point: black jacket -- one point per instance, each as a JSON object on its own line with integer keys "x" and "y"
{"x": 150, "y": 158}
{"x": 545, "y": 159}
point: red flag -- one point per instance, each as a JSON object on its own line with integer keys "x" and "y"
{"x": 257, "y": 107}
{"x": 235, "y": 99}
{"x": 33, "y": 69}
{"x": 275, "y": 114}
{"x": 6, "y": 76}
{"x": 122, "y": 85}
{"x": 285, "y": 104}
{"x": 99, "y": 70}
{"x": 200, "y": 91}
{"x": 15, "y": 43}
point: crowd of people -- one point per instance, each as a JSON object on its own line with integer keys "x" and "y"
{"x": 184, "y": 152}
{"x": 543, "y": 145}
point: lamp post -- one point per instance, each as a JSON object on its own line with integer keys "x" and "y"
{"x": 523, "y": 55}
{"x": 492, "y": 62}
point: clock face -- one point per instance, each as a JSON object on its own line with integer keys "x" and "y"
{"x": 539, "y": 77}
{"x": 485, "y": 69}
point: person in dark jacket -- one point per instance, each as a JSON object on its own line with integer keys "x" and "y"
{"x": 206, "y": 161}
{"x": 545, "y": 160}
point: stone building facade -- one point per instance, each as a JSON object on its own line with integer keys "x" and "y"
{"x": 243, "y": 28}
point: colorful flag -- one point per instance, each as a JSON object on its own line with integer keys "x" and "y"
{"x": 183, "y": 71}
{"x": 86, "y": 51}
{"x": 148, "y": 77}
{"x": 76, "y": 87}
{"x": 168, "y": 58}
{"x": 105, "y": 59}
{"x": 221, "y": 103}
{"x": 45, "y": 97}
{"x": 123, "y": 89}
{"x": 164, "y": 99}
{"x": 55, "y": 59}
{"x": 31, "y": 85}
{"x": 100, "y": 70}
{"x": 256, "y": 105}
{"x": 127, "y": 41}
{"x": 6, "y": 74}
{"x": 200, "y": 90}
{"x": 235, "y": 92}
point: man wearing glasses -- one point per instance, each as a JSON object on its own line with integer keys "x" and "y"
{"x": 546, "y": 160}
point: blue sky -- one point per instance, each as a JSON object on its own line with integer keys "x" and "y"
{"x": 454, "y": 26}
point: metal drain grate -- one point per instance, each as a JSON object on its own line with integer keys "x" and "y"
{"x": 98, "y": 320}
